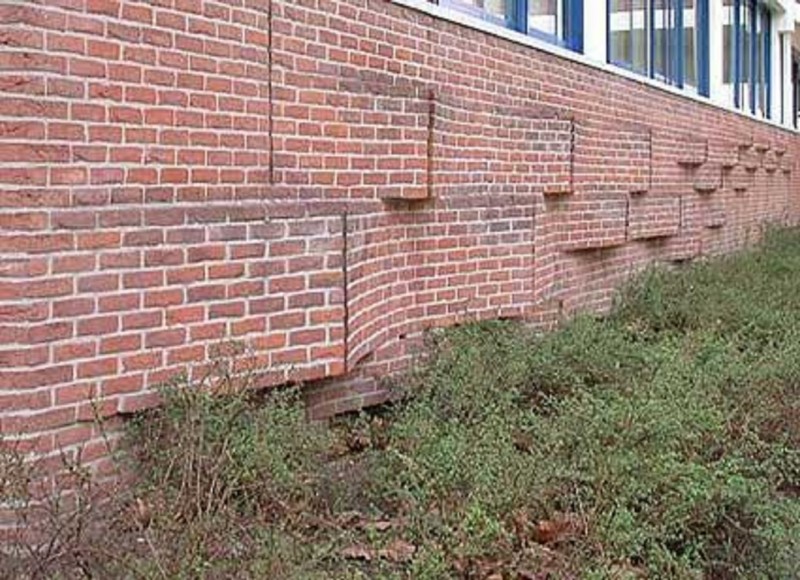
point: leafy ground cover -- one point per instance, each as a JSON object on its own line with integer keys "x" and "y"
{"x": 661, "y": 441}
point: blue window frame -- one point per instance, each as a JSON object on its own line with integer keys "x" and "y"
{"x": 556, "y": 21}
{"x": 747, "y": 30}
{"x": 796, "y": 86}
{"x": 663, "y": 39}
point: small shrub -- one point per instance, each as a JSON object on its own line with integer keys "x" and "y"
{"x": 224, "y": 473}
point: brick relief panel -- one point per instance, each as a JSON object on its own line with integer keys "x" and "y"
{"x": 653, "y": 216}
{"x": 120, "y": 312}
{"x": 491, "y": 149}
{"x": 468, "y": 258}
{"x": 380, "y": 277}
{"x": 355, "y": 140}
{"x": 611, "y": 162}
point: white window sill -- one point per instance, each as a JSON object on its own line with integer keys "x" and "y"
{"x": 457, "y": 17}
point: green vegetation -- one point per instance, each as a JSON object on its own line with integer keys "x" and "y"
{"x": 662, "y": 441}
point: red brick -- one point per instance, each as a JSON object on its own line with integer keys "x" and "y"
{"x": 146, "y": 400}
{"x": 38, "y": 422}
{"x": 142, "y": 362}
{"x": 71, "y": 394}
{"x": 287, "y": 284}
{"x": 130, "y": 301}
{"x": 98, "y": 326}
{"x": 163, "y": 298}
{"x": 186, "y": 354}
{"x": 122, "y": 385}
{"x": 304, "y": 337}
{"x": 120, "y": 343}
{"x": 165, "y": 338}
{"x": 143, "y": 279}
{"x": 227, "y": 310}
{"x": 73, "y": 350}
{"x": 35, "y": 378}
{"x": 98, "y": 283}
{"x": 205, "y": 253}
{"x": 24, "y": 357}
{"x": 210, "y": 331}
{"x": 23, "y": 312}
{"x": 50, "y": 332}
{"x": 142, "y": 320}
{"x": 98, "y": 240}
{"x": 286, "y": 321}
{"x": 186, "y": 275}
{"x": 186, "y": 314}
{"x": 97, "y": 368}
{"x": 73, "y": 307}
{"x": 105, "y": 7}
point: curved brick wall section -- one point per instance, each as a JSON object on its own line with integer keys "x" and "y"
{"x": 319, "y": 181}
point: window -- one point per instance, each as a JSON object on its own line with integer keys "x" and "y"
{"x": 557, "y": 21}
{"x": 546, "y": 16}
{"x": 746, "y": 55}
{"x": 493, "y": 10}
{"x": 663, "y": 39}
{"x": 761, "y": 62}
{"x": 796, "y": 91}
{"x": 628, "y": 33}
{"x": 729, "y": 51}
{"x": 691, "y": 41}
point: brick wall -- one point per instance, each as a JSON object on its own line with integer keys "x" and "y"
{"x": 318, "y": 182}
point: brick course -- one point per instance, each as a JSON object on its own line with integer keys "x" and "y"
{"x": 319, "y": 181}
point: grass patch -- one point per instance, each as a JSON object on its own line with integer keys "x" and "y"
{"x": 661, "y": 441}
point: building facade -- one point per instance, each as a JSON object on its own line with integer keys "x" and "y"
{"x": 312, "y": 184}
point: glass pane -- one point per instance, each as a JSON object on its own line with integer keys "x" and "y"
{"x": 663, "y": 22}
{"x": 639, "y": 27}
{"x": 690, "y": 43}
{"x": 744, "y": 88}
{"x": 761, "y": 62}
{"x": 629, "y": 23}
{"x": 727, "y": 53}
{"x": 496, "y": 8}
{"x": 728, "y": 49}
{"x": 546, "y": 16}
{"x": 620, "y": 23}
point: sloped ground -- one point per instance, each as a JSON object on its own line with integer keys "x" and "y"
{"x": 660, "y": 442}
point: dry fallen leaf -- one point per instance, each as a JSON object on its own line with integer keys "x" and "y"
{"x": 358, "y": 552}
{"x": 382, "y": 526}
{"x": 357, "y": 441}
{"x": 398, "y": 551}
{"x": 562, "y": 526}
{"x": 523, "y": 441}
{"x": 626, "y": 571}
{"x": 360, "y": 522}
{"x": 140, "y": 514}
{"x": 351, "y": 519}
{"x": 546, "y": 531}
{"x": 521, "y": 523}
